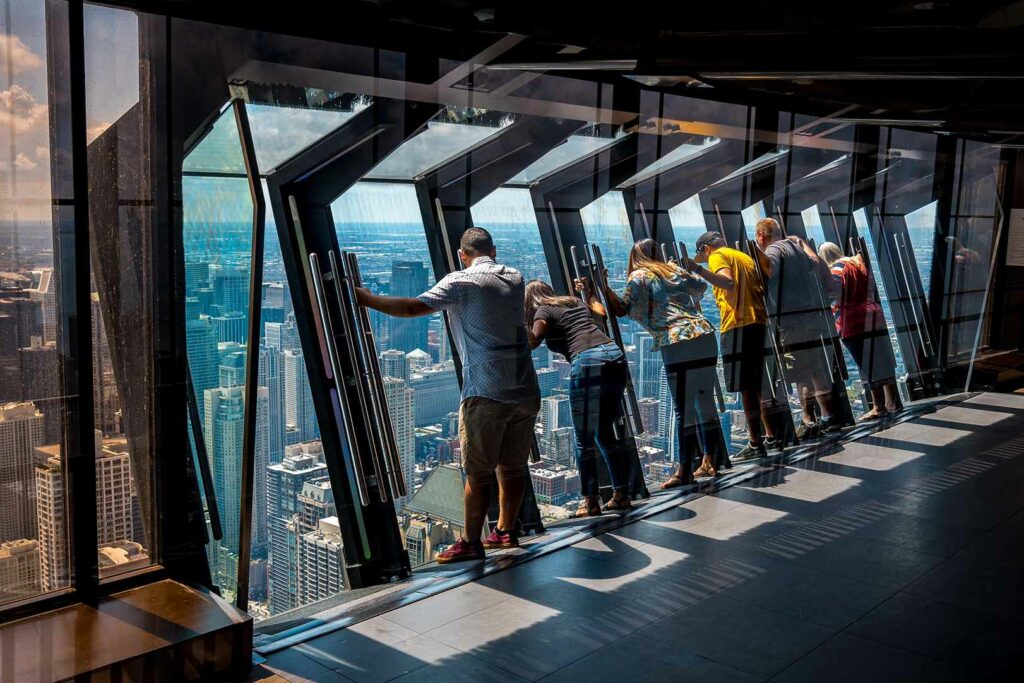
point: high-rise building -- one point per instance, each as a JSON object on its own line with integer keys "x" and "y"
{"x": 437, "y": 393}
{"x": 285, "y": 482}
{"x": 298, "y": 397}
{"x": 321, "y": 565}
{"x": 222, "y": 433}
{"x": 230, "y": 289}
{"x": 261, "y": 460}
{"x": 40, "y": 384}
{"x": 203, "y": 362}
{"x": 394, "y": 363}
{"x": 561, "y": 446}
{"x": 542, "y": 357}
{"x": 649, "y": 414}
{"x": 416, "y": 361}
{"x": 271, "y": 377}
{"x": 45, "y": 294}
{"x": 51, "y": 519}
{"x": 649, "y": 366}
{"x": 19, "y": 569}
{"x": 556, "y": 413}
{"x": 113, "y": 492}
{"x": 401, "y": 408}
{"x": 231, "y": 327}
{"x": 21, "y": 431}
{"x": 408, "y": 278}
{"x": 549, "y": 380}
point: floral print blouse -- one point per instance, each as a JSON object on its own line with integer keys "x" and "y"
{"x": 666, "y": 306}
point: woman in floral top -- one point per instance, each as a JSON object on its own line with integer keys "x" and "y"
{"x": 664, "y": 298}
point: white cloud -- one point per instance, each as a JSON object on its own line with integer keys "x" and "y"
{"x": 22, "y": 57}
{"x": 19, "y": 111}
{"x": 23, "y": 162}
{"x": 96, "y": 130}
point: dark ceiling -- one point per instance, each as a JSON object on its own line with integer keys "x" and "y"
{"x": 955, "y": 66}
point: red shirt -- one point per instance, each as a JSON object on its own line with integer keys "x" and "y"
{"x": 857, "y": 309}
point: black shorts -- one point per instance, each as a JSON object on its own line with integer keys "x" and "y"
{"x": 872, "y": 351}
{"x": 743, "y": 353}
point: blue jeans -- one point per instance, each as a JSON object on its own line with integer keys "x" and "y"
{"x": 691, "y": 374}
{"x": 597, "y": 381}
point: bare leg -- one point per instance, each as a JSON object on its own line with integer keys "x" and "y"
{"x": 511, "y": 487}
{"x": 805, "y": 403}
{"x": 756, "y": 412}
{"x": 823, "y": 395}
{"x": 893, "y": 403}
{"x": 477, "y": 500}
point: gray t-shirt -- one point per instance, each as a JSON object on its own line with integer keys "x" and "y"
{"x": 485, "y": 304}
{"x": 793, "y": 294}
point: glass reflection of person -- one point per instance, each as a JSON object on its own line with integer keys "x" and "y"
{"x": 792, "y": 267}
{"x": 740, "y": 299}
{"x": 500, "y": 395}
{"x": 660, "y": 296}
{"x": 861, "y": 324}
{"x": 597, "y": 382}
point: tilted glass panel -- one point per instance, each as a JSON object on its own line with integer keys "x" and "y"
{"x": 34, "y": 513}
{"x": 120, "y": 135}
{"x": 921, "y": 228}
{"x": 575, "y": 147}
{"x": 606, "y": 225}
{"x": 509, "y": 216}
{"x": 278, "y": 134}
{"x": 381, "y": 223}
{"x": 442, "y": 140}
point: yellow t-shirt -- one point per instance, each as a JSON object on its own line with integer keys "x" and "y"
{"x": 744, "y": 303}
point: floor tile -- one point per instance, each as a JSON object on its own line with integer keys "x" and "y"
{"x": 635, "y": 658}
{"x": 740, "y": 635}
{"x": 848, "y": 658}
{"x": 448, "y": 606}
{"x": 918, "y": 625}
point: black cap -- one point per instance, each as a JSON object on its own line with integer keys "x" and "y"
{"x": 711, "y": 237}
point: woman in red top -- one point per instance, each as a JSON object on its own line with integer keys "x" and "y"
{"x": 861, "y": 325}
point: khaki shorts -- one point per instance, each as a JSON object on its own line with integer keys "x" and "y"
{"x": 492, "y": 433}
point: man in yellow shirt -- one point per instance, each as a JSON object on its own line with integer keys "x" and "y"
{"x": 740, "y": 298}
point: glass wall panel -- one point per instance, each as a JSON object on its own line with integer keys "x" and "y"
{"x": 122, "y": 133}
{"x": 34, "y": 516}
{"x": 381, "y": 223}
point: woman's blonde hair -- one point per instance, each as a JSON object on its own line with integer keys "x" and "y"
{"x": 540, "y": 293}
{"x": 830, "y": 252}
{"x": 644, "y": 254}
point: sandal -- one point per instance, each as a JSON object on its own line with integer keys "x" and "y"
{"x": 706, "y": 469}
{"x": 873, "y": 414}
{"x": 590, "y": 508}
{"x": 675, "y": 481}
{"x": 618, "y": 503}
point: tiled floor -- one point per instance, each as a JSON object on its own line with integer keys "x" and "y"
{"x": 899, "y": 558}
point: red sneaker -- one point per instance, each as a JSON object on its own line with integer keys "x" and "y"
{"x": 501, "y": 539}
{"x": 460, "y": 551}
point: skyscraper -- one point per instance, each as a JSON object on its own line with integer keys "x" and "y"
{"x": 416, "y": 361}
{"x": 21, "y": 431}
{"x": 51, "y": 520}
{"x": 649, "y": 416}
{"x": 230, "y": 289}
{"x": 408, "y": 278}
{"x": 548, "y": 379}
{"x": 19, "y": 569}
{"x": 401, "y": 407}
{"x": 270, "y": 376}
{"x": 298, "y": 397}
{"x": 667, "y": 427}
{"x": 113, "y": 492}
{"x": 40, "y": 383}
{"x": 223, "y": 436}
{"x": 321, "y": 566}
{"x": 393, "y": 363}
{"x": 260, "y": 534}
{"x": 285, "y": 481}
{"x": 437, "y": 393}
{"x": 201, "y": 346}
{"x": 45, "y": 294}
{"x": 107, "y": 403}
{"x": 556, "y": 413}
{"x": 649, "y": 365}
